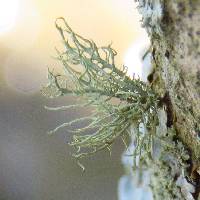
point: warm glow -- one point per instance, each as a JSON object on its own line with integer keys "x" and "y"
{"x": 8, "y": 14}
{"x": 31, "y": 36}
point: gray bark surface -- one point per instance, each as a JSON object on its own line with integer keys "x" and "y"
{"x": 174, "y": 29}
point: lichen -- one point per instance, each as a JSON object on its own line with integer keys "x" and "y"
{"x": 119, "y": 102}
{"x": 168, "y": 165}
{"x": 152, "y": 13}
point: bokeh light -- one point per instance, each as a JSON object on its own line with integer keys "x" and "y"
{"x": 9, "y": 10}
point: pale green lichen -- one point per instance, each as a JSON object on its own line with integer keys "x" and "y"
{"x": 152, "y": 13}
{"x": 100, "y": 83}
{"x": 169, "y": 167}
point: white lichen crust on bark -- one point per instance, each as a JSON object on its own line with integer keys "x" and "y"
{"x": 174, "y": 29}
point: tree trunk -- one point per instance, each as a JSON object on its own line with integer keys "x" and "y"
{"x": 174, "y": 29}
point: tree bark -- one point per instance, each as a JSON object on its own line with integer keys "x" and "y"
{"x": 174, "y": 29}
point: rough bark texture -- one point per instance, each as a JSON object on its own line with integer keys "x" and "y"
{"x": 174, "y": 28}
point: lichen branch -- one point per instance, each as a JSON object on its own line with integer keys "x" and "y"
{"x": 119, "y": 101}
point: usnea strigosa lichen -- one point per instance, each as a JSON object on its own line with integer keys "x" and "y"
{"x": 90, "y": 73}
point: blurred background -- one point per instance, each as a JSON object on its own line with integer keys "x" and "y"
{"x": 34, "y": 165}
